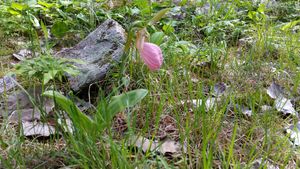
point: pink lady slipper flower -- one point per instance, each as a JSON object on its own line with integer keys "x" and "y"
{"x": 149, "y": 52}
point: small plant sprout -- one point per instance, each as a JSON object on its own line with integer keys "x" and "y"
{"x": 47, "y": 68}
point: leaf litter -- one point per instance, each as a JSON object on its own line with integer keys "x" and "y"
{"x": 285, "y": 106}
{"x": 294, "y": 133}
{"x": 211, "y": 101}
{"x": 165, "y": 147}
{"x": 282, "y": 104}
{"x": 19, "y": 109}
{"x": 275, "y": 91}
{"x": 196, "y": 103}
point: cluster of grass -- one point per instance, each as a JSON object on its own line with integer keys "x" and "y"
{"x": 245, "y": 44}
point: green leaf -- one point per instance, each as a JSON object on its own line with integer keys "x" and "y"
{"x": 45, "y": 31}
{"x": 157, "y": 38}
{"x": 18, "y": 6}
{"x": 79, "y": 119}
{"x": 59, "y": 29}
{"x": 45, "y": 4}
{"x": 252, "y": 15}
{"x": 13, "y": 12}
{"x": 183, "y": 2}
{"x": 143, "y": 5}
{"x": 123, "y": 101}
{"x": 30, "y": 73}
{"x": 49, "y": 76}
{"x": 168, "y": 29}
{"x": 261, "y": 8}
{"x": 158, "y": 16}
{"x": 290, "y": 25}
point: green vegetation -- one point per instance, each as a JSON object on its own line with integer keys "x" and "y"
{"x": 46, "y": 68}
{"x": 245, "y": 44}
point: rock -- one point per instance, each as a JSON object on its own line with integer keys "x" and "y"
{"x": 19, "y": 102}
{"x": 22, "y": 54}
{"x": 30, "y": 114}
{"x": 98, "y": 50}
{"x": 20, "y": 99}
{"x": 24, "y": 115}
{"x": 7, "y": 83}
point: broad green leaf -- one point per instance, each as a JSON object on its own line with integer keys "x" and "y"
{"x": 79, "y": 119}
{"x": 45, "y": 4}
{"x": 59, "y": 29}
{"x": 13, "y": 12}
{"x": 157, "y": 38}
{"x": 261, "y": 8}
{"x": 252, "y": 15}
{"x": 143, "y": 5}
{"x": 19, "y": 6}
{"x": 290, "y": 25}
{"x": 47, "y": 77}
{"x": 31, "y": 73}
{"x": 50, "y": 76}
{"x": 121, "y": 102}
{"x": 158, "y": 16}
